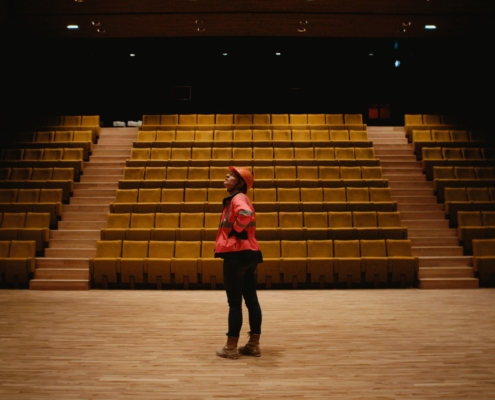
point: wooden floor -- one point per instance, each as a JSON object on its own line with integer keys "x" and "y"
{"x": 338, "y": 344}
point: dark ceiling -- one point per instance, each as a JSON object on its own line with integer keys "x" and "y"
{"x": 282, "y": 18}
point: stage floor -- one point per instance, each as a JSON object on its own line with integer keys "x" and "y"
{"x": 316, "y": 344}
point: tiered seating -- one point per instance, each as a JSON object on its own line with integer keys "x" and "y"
{"x": 17, "y": 261}
{"x": 54, "y": 139}
{"x": 475, "y": 225}
{"x": 26, "y": 226}
{"x": 64, "y": 123}
{"x": 44, "y": 158}
{"x": 468, "y": 199}
{"x": 266, "y": 176}
{"x": 39, "y": 178}
{"x": 32, "y": 200}
{"x": 415, "y": 122}
{"x": 270, "y": 226}
{"x": 456, "y": 156}
{"x": 484, "y": 260}
{"x": 252, "y": 121}
{"x": 251, "y": 156}
{"x": 285, "y": 261}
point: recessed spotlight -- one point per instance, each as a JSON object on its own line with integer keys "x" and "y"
{"x": 224, "y": 54}
{"x": 72, "y": 27}
{"x": 371, "y": 54}
{"x": 132, "y": 55}
{"x": 200, "y": 29}
{"x": 198, "y": 21}
{"x": 303, "y": 22}
{"x": 79, "y": 1}
{"x": 301, "y": 30}
{"x": 430, "y": 27}
{"x": 95, "y": 23}
{"x": 277, "y": 54}
{"x": 397, "y": 63}
{"x": 101, "y": 30}
{"x": 407, "y": 23}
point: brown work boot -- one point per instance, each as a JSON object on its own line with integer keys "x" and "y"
{"x": 252, "y": 347}
{"x": 230, "y": 349}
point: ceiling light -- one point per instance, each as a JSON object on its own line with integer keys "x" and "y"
{"x": 224, "y": 54}
{"x": 277, "y": 54}
{"x": 407, "y": 23}
{"x": 72, "y": 26}
{"x": 79, "y": 1}
{"x": 301, "y": 30}
{"x": 95, "y": 23}
{"x": 100, "y": 30}
{"x": 397, "y": 63}
{"x": 430, "y": 27}
{"x": 132, "y": 54}
{"x": 201, "y": 29}
{"x": 303, "y": 22}
{"x": 198, "y": 21}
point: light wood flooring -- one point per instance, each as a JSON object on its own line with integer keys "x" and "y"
{"x": 329, "y": 344}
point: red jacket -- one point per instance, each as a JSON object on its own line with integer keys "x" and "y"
{"x": 238, "y": 214}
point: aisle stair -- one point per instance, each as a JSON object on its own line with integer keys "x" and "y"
{"x": 65, "y": 265}
{"x": 441, "y": 260}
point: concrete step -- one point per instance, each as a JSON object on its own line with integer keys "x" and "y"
{"x": 72, "y": 243}
{"x": 401, "y": 164}
{"x": 395, "y": 156}
{"x": 425, "y": 224}
{"x": 93, "y": 234}
{"x": 116, "y": 151}
{"x": 70, "y": 253}
{"x": 407, "y": 215}
{"x": 104, "y": 165}
{"x": 433, "y": 241}
{"x": 59, "y": 284}
{"x": 109, "y": 158}
{"x": 83, "y": 208}
{"x": 448, "y": 283}
{"x": 408, "y": 184}
{"x": 412, "y": 191}
{"x": 445, "y": 261}
{"x": 421, "y": 232}
{"x": 63, "y": 263}
{"x": 99, "y": 178}
{"x": 84, "y": 216}
{"x": 447, "y": 251}
{"x": 81, "y": 225}
{"x": 99, "y": 171}
{"x": 420, "y": 207}
{"x": 95, "y": 188}
{"x": 415, "y": 199}
{"x": 85, "y": 200}
{"x": 446, "y": 272}
{"x": 61, "y": 273}
{"x": 412, "y": 178}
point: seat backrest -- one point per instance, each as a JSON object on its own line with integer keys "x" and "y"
{"x": 334, "y": 119}
{"x": 22, "y": 249}
{"x": 311, "y": 195}
{"x": 28, "y": 196}
{"x": 134, "y": 173}
{"x": 373, "y": 248}
{"x": 180, "y": 153}
{"x": 353, "y": 119}
{"x": 224, "y": 119}
{"x": 169, "y": 119}
{"x": 44, "y": 136}
{"x": 280, "y": 119}
{"x": 13, "y": 220}
{"x": 13, "y": 154}
{"x": 452, "y": 153}
{"x": 440, "y": 135}
{"x": 216, "y": 195}
{"x": 321, "y": 135}
{"x": 469, "y": 218}
{"x": 364, "y": 153}
{"x": 364, "y": 219}
{"x": 290, "y": 219}
{"x": 472, "y": 153}
{"x": 172, "y": 195}
{"x": 281, "y": 135}
{"x": 307, "y": 172}
{"x": 161, "y": 249}
{"x": 301, "y": 135}
{"x": 207, "y": 249}
{"x": 432, "y": 153}
{"x": 283, "y": 153}
{"x": 320, "y": 248}
{"x": 185, "y": 249}
{"x": 126, "y": 196}
{"x": 293, "y": 248}
{"x": 177, "y": 173}
{"x": 341, "y": 135}
{"x": 285, "y": 172}
{"x": 73, "y": 154}
{"x": 42, "y": 174}
{"x": 51, "y": 196}
{"x": 166, "y": 220}
{"x": 8, "y": 195}
{"x": 187, "y": 119}
{"x": 82, "y": 136}
{"x": 262, "y": 135}
{"x": 380, "y": 194}
{"x": 357, "y": 194}
{"x": 431, "y": 119}
{"x": 146, "y": 136}
{"x": 315, "y": 219}
{"x": 149, "y": 119}
{"x": 484, "y": 247}
{"x": 270, "y": 248}
{"x": 288, "y": 195}
{"x": 328, "y": 173}
{"x": 316, "y": 119}
{"x": 149, "y": 195}
{"x": 265, "y": 195}
{"x": 267, "y": 220}
{"x": 473, "y": 194}
{"x": 361, "y": 136}
{"x": 334, "y": 195}
{"x": 488, "y": 218}
{"x": 304, "y": 153}
{"x": 298, "y": 119}
{"x": 485, "y": 172}
{"x": 155, "y": 154}
{"x": 206, "y": 119}
{"x": 421, "y": 135}
{"x": 243, "y": 119}
{"x": 372, "y": 172}
{"x": 191, "y": 220}
{"x": 155, "y": 173}
{"x": 108, "y": 248}
{"x": 263, "y": 172}
{"x": 62, "y": 136}
{"x": 184, "y": 136}
{"x": 222, "y": 135}
{"x": 195, "y": 195}
{"x": 340, "y": 219}
{"x": 198, "y": 173}
{"x": 20, "y": 174}
{"x": 346, "y": 248}
{"x": 118, "y": 221}
{"x": 33, "y": 154}
{"x": 413, "y": 119}
{"x": 350, "y": 173}
{"x": 135, "y": 249}
{"x": 142, "y": 220}
{"x": 261, "y": 119}
{"x": 203, "y": 136}
{"x": 63, "y": 174}
{"x": 4, "y": 248}
{"x": 242, "y": 153}
{"x": 388, "y": 219}
{"x": 440, "y": 172}
{"x": 245, "y": 135}
{"x": 165, "y": 136}
{"x": 455, "y": 194}
{"x": 460, "y": 136}
{"x": 398, "y": 248}
{"x": 72, "y": 120}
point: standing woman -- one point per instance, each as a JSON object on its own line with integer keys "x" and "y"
{"x": 237, "y": 245}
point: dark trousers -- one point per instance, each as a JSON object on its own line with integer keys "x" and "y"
{"x": 240, "y": 282}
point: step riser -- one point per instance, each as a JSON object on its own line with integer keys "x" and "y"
{"x": 70, "y": 253}
{"x": 445, "y": 273}
{"x": 407, "y": 178}
{"x": 104, "y": 200}
{"x": 421, "y": 233}
{"x": 447, "y": 251}
{"x": 65, "y": 263}
{"x": 434, "y": 241}
{"x": 415, "y": 199}
{"x": 420, "y": 207}
{"x": 98, "y": 179}
{"x": 62, "y": 274}
{"x": 81, "y": 225}
{"x": 35, "y": 284}
{"x": 74, "y": 243}
{"x": 89, "y": 216}
{"x": 69, "y": 208}
{"x": 431, "y": 262}
{"x": 465, "y": 283}
{"x": 425, "y": 224}
{"x": 422, "y": 215}
{"x": 407, "y": 184}
{"x": 95, "y": 189}
{"x": 64, "y": 234}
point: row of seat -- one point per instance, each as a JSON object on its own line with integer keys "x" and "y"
{"x": 44, "y": 158}
{"x": 17, "y": 261}
{"x": 54, "y": 139}
{"x": 430, "y": 121}
{"x": 211, "y": 156}
{"x": 270, "y": 226}
{"x": 475, "y": 225}
{"x": 352, "y": 121}
{"x": 266, "y": 176}
{"x": 470, "y": 176}
{"x": 32, "y": 200}
{"x": 296, "y": 262}
{"x": 26, "y": 226}
{"x": 63, "y": 122}
{"x": 40, "y": 178}
{"x": 468, "y": 199}
{"x": 251, "y": 138}
{"x": 456, "y": 156}
{"x": 484, "y": 260}
{"x": 264, "y": 199}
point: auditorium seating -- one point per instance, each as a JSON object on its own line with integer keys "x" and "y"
{"x": 475, "y": 225}
{"x": 26, "y": 226}
{"x": 286, "y": 262}
{"x": 17, "y": 262}
{"x": 484, "y": 260}
{"x": 415, "y": 122}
